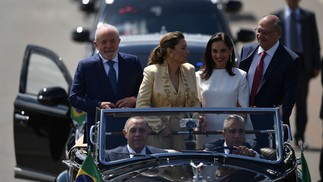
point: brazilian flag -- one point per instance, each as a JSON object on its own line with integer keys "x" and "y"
{"x": 306, "y": 176}
{"x": 78, "y": 115}
{"x": 88, "y": 172}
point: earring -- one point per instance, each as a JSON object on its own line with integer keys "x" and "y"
{"x": 230, "y": 58}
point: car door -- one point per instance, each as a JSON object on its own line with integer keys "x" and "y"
{"x": 42, "y": 120}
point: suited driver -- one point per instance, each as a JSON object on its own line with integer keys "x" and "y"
{"x": 234, "y": 137}
{"x": 136, "y": 131}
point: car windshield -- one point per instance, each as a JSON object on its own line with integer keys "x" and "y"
{"x": 193, "y": 160}
{"x": 141, "y": 17}
{"x": 189, "y": 124}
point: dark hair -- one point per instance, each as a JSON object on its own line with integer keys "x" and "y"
{"x": 169, "y": 40}
{"x": 234, "y": 117}
{"x": 126, "y": 127}
{"x": 208, "y": 63}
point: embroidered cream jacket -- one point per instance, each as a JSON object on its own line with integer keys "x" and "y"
{"x": 156, "y": 90}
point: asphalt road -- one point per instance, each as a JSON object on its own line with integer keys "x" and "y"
{"x": 49, "y": 23}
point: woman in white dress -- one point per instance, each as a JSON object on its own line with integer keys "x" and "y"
{"x": 220, "y": 84}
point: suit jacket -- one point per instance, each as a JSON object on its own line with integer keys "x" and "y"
{"x": 91, "y": 83}
{"x": 310, "y": 39}
{"x": 155, "y": 90}
{"x": 279, "y": 84}
{"x": 122, "y": 152}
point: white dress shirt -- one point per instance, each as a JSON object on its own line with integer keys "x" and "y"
{"x": 270, "y": 53}
{"x": 287, "y": 20}
{"x": 132, "y": 152}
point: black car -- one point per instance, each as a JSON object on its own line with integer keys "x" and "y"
{"x": 142, "y": 45}
{"x": 92, "y": 6}
{"x": 46, "y": 128}
{"x": 136, "y": 17}
{"x": 42, "y": 123}
{"x": 274, "y": 162}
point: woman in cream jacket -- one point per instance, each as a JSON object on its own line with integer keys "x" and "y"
{"x": 169, "y": 81}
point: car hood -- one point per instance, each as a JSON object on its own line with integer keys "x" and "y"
{"x": 189, "y": 166}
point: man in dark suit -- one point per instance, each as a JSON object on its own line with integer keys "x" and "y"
{"x": 307, "y": 46}
{"x": 233, "y": 141}
{"x": 136, "y": 131}
{"x": 93, "y": 87}
{"x": 279, "y": 77}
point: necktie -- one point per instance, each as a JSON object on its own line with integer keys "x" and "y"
{"x": 257, "y": 78}
{"x": 112, "y": 77}
{"x": 293, "y": 32}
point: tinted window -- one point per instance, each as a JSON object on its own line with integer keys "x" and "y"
{"x": 142, "y": 16}
{"x": 143, "y": 52}
{"x": 43, "y": 72}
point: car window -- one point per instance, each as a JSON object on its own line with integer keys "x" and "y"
{"x": 270, "y": 152}
{"x": 42, "y": 73}
{"x": 138, "y": 17}
{"x": 143, "y": 52}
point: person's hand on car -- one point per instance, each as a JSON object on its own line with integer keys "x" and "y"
{"x": 126, "y": 102}
{"x": 107, "y": 105}
{"x": 243, "y": 150}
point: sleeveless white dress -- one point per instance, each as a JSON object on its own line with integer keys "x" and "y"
{"x": 222, "y": 90}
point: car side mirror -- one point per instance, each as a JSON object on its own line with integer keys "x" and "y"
{"x": 233, "y": 6}
{"x": 245, "y": 35}
{"x": 88, "y": 6}
{"x": 81, "y": 35}
{"x": 52, "y": 96}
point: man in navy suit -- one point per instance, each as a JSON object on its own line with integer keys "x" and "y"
{"x": 308, "y": 47}
{"x": 136, "y": 131}
{"x": 278, "y": 85}
{"x": 92, "y": 87}
{"x": 233, "y": 143}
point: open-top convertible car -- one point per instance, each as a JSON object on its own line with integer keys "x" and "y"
{"x": 274, "y": 158}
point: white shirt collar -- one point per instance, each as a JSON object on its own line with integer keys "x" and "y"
{"x": 270, "y": 51}
{"x": 288, "y": 11}
{"x": 226, "y": 151}
{"x": 131, "y": 151}
{"x": 115, "y": 59}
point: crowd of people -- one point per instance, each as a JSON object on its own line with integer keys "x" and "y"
{"x": 268, "y": 73}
